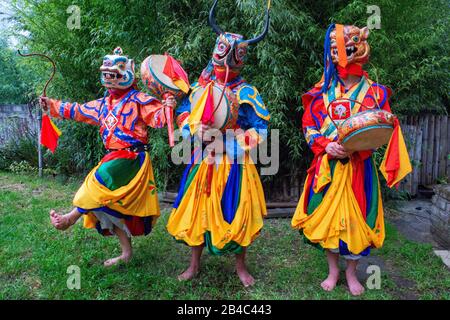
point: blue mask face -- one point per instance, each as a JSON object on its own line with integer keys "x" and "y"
{"x": 117, "y": 71}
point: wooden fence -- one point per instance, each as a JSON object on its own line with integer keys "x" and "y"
{"x": 15, "y": 119}
{"x": 427, "y": 137}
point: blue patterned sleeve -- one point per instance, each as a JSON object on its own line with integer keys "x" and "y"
{"x": 255, "y": 131}
{"x": 182, "y": 114}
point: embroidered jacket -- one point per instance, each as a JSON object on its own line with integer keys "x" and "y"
{"x": 123, "y": 122}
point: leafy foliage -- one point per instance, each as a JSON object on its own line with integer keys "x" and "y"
{"x": 410, "y": 54}
{"x": 22, "y": 167}
{"x": 13, "y": 86}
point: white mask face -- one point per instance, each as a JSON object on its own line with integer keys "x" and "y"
{"x": 117, "y": 71}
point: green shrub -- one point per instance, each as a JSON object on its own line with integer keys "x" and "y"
{"x": 22, "y": 167}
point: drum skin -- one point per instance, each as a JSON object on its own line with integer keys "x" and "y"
{"x": 366, "y": 130}
{"x": 225, "y": 115}
{"x": 155, "y": 80}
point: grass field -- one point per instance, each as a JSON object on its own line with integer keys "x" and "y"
{"x": 34, "y": 259}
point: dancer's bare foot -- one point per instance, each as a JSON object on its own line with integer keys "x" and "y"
{"x": 333, "y": 271}
{"x": 245, "y": 277}
{"x": 194, "y": 267}
{"x": 62, "y": 222}
{"x": 241, "y": 269}
{"x": 330, "y": 282}
{"x": 189, "y": 274}
{"x": 113, "y": 261}
{"x": 125, "y": 246}
{"x": 355, "y": 287}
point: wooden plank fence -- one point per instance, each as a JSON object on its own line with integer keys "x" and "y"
{"x": 15, "y": 119}
{"x": 427, "y": 138}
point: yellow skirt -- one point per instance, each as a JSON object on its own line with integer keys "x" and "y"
{"x": 339, "y": 217}
{"x": 138, "y": 198}
{"x": 232, "y": 213}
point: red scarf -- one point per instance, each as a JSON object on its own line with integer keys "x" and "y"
{"x": 221, "y": 73}
{"x": 118, "y": 93}
{"x": 354, "y": 69}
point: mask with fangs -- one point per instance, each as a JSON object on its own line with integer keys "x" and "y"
{"x": 117, "y": 71}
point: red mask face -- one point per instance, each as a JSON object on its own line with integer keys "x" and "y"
{"x": 356, "y": 45}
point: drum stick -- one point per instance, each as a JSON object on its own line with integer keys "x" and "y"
{"x": 169, "y": 118}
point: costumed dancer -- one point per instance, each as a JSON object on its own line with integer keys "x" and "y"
{"x": 340, "y": 209}
{"x": 220, "y": 202}
{"x": 118, "y": 197}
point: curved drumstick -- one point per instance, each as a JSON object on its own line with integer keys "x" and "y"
{"x": 44, "y": 92}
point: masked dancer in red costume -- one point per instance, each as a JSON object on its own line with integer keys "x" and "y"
{"x": 118, "y": 197}
{"x": 340, "y": 209}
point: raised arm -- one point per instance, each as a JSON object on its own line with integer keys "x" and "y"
{"x": 87, "y": 112}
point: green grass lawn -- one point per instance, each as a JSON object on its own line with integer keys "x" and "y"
{"x": 34, "y": 259}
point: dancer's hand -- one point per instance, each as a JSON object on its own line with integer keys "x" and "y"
{"x": 169, "y": 102}
{"x": 44, "y": 102}
{"x": 336, "y": 150}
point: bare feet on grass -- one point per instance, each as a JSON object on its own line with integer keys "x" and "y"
{"x": 330, "y": 282}
{"x": 125, "y": 246}
{"x": 355, "y": 287}
{"x": 113, "y": 261}
{"x": 194, "y": 267}
{"x": 189, "y": 274}
{"x": 242, "y": 271}
{"x": 63, "y": 222}
{"x": 245, "y": 277}
{"x": 333, "y": 274}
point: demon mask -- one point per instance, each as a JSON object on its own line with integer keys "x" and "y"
{"x": 117, "y": 71}
{"x": 231, "y": 49}
{"x": 354, "y": 40}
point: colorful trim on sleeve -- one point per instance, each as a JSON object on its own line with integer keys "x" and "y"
{"x": 249, "y": 94}
{"x": 143, "y": 98}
